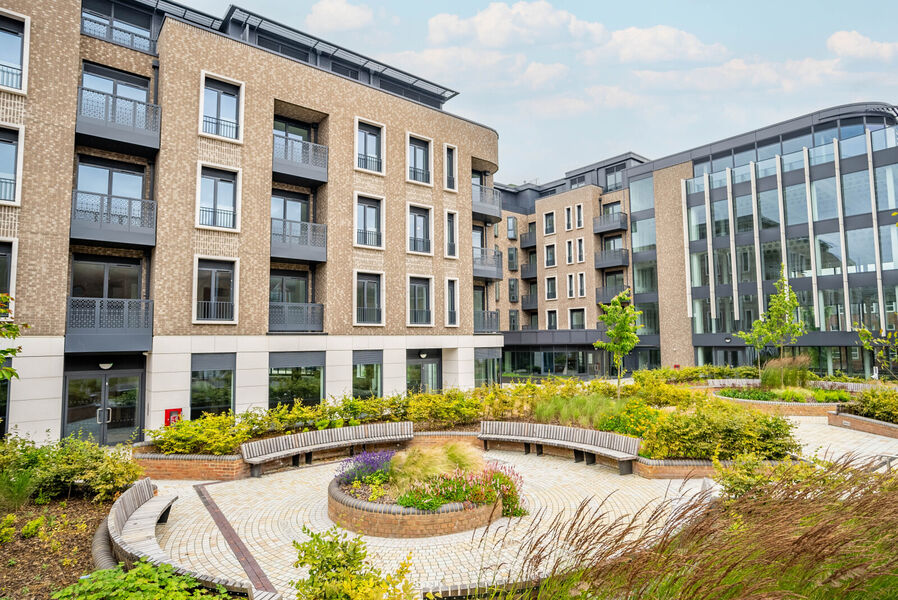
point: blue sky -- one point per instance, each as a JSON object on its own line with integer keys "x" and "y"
{"x": 569, "y": 83}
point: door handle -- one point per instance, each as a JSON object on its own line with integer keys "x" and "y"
{"x": 99, "y": 422}
{"x": 108, "y": 415}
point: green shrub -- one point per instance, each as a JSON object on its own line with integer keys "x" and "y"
{"x": 482, "y": 487}
{"x": 821, "y": 395}
{"x": 7, "y": 528}
{"x": 748, "y": 394}
{"x": 750, "y": 475}
{"x": 210, "y": 434}
{"x": 879, "y": 403}
{"x": 142, "y": 582}
{"x": 32, "y": 527}
{"x": 718, "y": 429}
{"x": 338, "y": 570}
{"x": 634, "y": 419}
{"x": 16, "y": 487}
{"x": 786, "y": 372}
{"x": 659, "y": 393}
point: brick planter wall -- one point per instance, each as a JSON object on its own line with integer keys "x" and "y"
{"x": 803, "y": 409}
{"x": 192, "y": 466}
{"x": 849, "y": 421}
{"x": 672, "y": 469}
{"x": 385, "y": 520}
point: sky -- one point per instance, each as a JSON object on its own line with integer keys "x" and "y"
{"x": 570, "y": 83}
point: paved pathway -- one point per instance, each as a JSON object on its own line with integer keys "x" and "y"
{"x": 817, "y": 437}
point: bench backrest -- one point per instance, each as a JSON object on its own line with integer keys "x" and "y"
{"x": 340, "y": 435}
{"x": 266, "y": 446}
{"x": 575, "y": 435}
{"x": 130, "y": 500}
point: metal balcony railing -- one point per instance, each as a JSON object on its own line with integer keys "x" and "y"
{"x": 450, "y": 249}
{"x": 528, "y": 270}
{"x": 365, "y": 237}
{"x": 610, "y": 222}
{"x": 295, "y": 316}
{"x": 370, "y": 163}
{"x": 416, "y": 244}
{"x": 450, "y": 182}
{"x": 11, "y": 76}
{"x": 100, "y": 27}
{"x": 213, "y": 310}
{"x": 300, "y": 151}
{"x": 419, "y": 317}
{"x": 422, "y": 175}
{"x": 529, "y": 302}
{"x": 109, "y": 314}
{"x": 298, "y": 233}
{"x": 528, "y": 239}
{"x": 217, "y": 217}
{"x": 487, "y": 257}
{"x": 368, "y": 315}
{"x": 612, "y": 258}
{"x": 604, "y": 295}
{"x": 112, "y": 213}
{"x": 117, "y": 111}
{"x": 486, "y": 195}
{"x": 7, "y": 189}
{"x": 486, "y": 321}
{"x": 452, "y": 317}
{"x": 221, "y": 127}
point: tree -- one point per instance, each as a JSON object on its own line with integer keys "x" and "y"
{"x": 758, "y": 338}
{"x": 621, "y": 324}
{"x": 8, "y": 330}
{"x": 781, "y": 318}
{"x": 883, "y": 345}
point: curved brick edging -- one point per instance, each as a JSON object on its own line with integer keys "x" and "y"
{"x": 788, "y": 409}
{"x": 865, "y": 424}
{"x": 196, "y": 467}
{"x": 394, "y": 521}
{"x": 680, "y": 468}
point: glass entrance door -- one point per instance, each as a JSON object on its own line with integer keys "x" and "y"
{"x": 104, "y": 406}
{"x": 423, "y": 375}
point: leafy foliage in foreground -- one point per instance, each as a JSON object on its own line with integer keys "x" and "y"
{"x": 143, "y": 582}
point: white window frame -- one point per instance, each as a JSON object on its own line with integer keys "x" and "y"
{"x": 581, "y": 284}
{"x": 408, "y": 308}
{"x": 546, "y": 288}
{"x": 26, "y": 45}
{"x": 578, "y": 216}
{"x": 446, "y": 302}
{"x": 383, "y": 146}
{"x": 569, "y": 252}
{"x": 570, "y": 320}
{"x": 571, "y": 290}
{"x": 355, "y": 299}
{"x": 446, "y": 254}
{"x": 546, "y": 256}
{"x": 555, "y": 311}
{"x": 581, "y": 250}
{"x": 238, "y": 195}
{"x": 429, "y": 209}
{"x": 568, "y": 218}
{"x": 355, "y": 223}
{"x": 240, "y": 101}
{"x": 14, "y": 261}
{"x": 20, "y": 157}
{"x": 408, "y": 136}
{"x": 196, "y": 264}
{"x": 554, "y": 222}
{"x": 445, "y": 170}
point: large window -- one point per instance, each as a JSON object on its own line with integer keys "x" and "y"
{"x": 829, "y": 254}
{"x": 699, "y": 262}
{"x": 795, "y": 203}
{"x": 12, "y": 38}
{"x": 9, "y": 143}
{"x": 486, "y": 366}
{"x": 698, "y": 223}
{"x": 823, "y": 199}
{"x": 221, "y": 102}
{"x": 768, "y": 209}
{"x": 368, "y": 222}
{"x": 577, "y": 318}
{"x": 419, "y": 301}
{"x": 218, "y": 198}
{"x": 720, "y": 215}
{"x": 645, "y": 277}
{"x": 418, "y": 160}
{"x": 798, "y": 257}
{"x": 551, "y": 319}
{"x": 368, "y": 300}
{"x": 117, "y": 23}
{"x": 722, "y": 266}
{"x": 745, "y": 264}
{"x": 771, "y": 260}
{"x": 215, "y": 291}
{"x": 418, "y": 229}
{"x": 116, "y": 98}
{"x": 888, "y": 246}
{"x": 642, "y": 195}
{"x": 211, "y": 384}
{"x": 288, "y": 211}
{"x": 551, "y": 290}
{"x": 370, "y": 153}
{"x": 367, "y": 373}
{"x": 648, "y": 319}
{"x": 886, "y": 180}
{"x": 295, "y": 377}
{"x": 549, "y": 223}
{"x": 745, "y": 220}
{"x": 856, "y": 193}
{"x": 291, "y": 288}
{"x": 859, "y": 244}
{"x": 106, "y": 192}
{"x": 643, "y": 237}
{"x": 614, "y": 177}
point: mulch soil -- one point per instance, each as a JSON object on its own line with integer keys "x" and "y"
{"x": 32, "y": 569}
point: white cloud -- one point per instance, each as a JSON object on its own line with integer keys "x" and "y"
{"x": 459, "y": 64}
{"x": 500, "y": 25}
{"x": 338, "y": 15}
{"x": 541, "y": 75}
{"x": 613, "y": 96}
{"x": 851, "y": 44}
{"x": 738, "y": 74}
{"x": 564, "y": 105}
{"x": 653, "y": 44}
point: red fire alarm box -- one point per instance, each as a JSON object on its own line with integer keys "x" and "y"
{"x": 172, "y": 416}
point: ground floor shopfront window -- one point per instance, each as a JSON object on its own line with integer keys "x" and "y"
{"x": 295, "y": 384}
{"x": 212, "y": 384}
{"x": 560, "y": 362}
{"x": 486, "y": 371}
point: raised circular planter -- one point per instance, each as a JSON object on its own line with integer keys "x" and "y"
{"x": 393, "y": 521}
{"x": 796, "y": 409}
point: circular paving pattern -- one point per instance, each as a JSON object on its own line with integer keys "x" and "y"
{"x": 268, "y": 514}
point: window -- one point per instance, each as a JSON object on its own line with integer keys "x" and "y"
{"x": 795, "y": 204}
{"x": 581, "y": 257}
{"x": 745, "y": 263}
{"x": 569, "y": 251}
{"x": 9, "y": 156}
{"x": 823, "y": 199}
{"x": 512, "y": 258}
{"x": 860, "y": 246}
{"x": 215, "y": 290}
{"x": 720, "y": 215}
{"x": 486, "y": 366}
{"x": 642, "y": 195}
{"x": 105, "y": 191}
{"x": 549, "y": 223}
{"x": 886, "y": 184}
{"x": 568, "y": 218}
{"x": 367, "y": 373}
{"x": 118, "y": 23}
{"x": 745, "y": 220}
{"x": 418, "y": 160}
{"x": 496, "y": 290}
{"x": 645, "y": 277}
{"x": 798, "y": 257}
{"x": 614, "y": 177}
{"x": 452, "y": 302}
{"x": 512, "y": 228}
{"x": 577, "y": 318}
{"x": 289, "y": 211}
{"x": 218, "y": 198}
{"x": 545, "y": 193}
{"x": 368, "y": 227}
{"x": 12, "y": 49}
{"x": 211, "y": 384}
{"x": 698, "y": 224}
{"x": 722, "y": 266}
{"x": 283, "y": 47}
{"x": 451, "y": 168}
{"x": 578, "y": 182}
{"x": 581, "y": 285}
{"x": 829, "y": 254}
{"x": 643, "y": 236}
{"x": 550, "y": 255}
{"x": 6, "y": 266}
{"x": 367, "y": 297}
{"x": 579, "y": 213}
{"x": 571, "y": 290}
{"x": 221, "y": 106}
{"x": 513, "y": 285}
{"x": 451, "y": 235}
{"x": 513, "y": 320}
{"x": 551, "y": 319}
{"x": 419, "y": 229}
{"x": 699, "y": 261}
{"x": 768, "y": 209}
{"x": 419, "y": 301}
{"x": 116, "y": 98}
{"x": 368, "y": 138}
{"x": 856, "y": 193}
{"x": 344, "y": 70}
{"x": 771, "y": 260}
{"x": 295, "y": 377}
{"x": 288, "y": 288}
{"x": 551, "y": 291}
{"x": 291, "y": 140}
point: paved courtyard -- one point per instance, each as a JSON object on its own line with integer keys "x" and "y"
{"x": 268, "y": 513}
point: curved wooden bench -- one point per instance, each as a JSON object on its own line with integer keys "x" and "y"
{"x": 586, "y": 443}
{"x": 305, "y": 444}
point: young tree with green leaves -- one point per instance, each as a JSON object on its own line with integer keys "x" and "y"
{"x": 621, "y": 321}
{"x": 8, "y": 330}
{"x": 758, "y": 337}
{"x": 883, "y": 345}
{"x": 781, "y": 317}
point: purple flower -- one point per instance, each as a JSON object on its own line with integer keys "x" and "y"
{"x": 364, "y": 464}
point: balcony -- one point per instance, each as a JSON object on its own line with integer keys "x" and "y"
{"x": 295, "y": 316}
{"x": 368, "y": 237}
{"x": 368, "y": 316}
{"x": 528, "y": 271}
{"x": 298, "y": 240}
{"x": 612, "y": 222}
{"x": 487, "y": 263}
{"x": 419, "y": 317}
{"x": 416, "y": 244}
{"x": 299, "y": 162}
{"x": 116, "y": 123}
{"x": 113, "y": 219}
{"x": 11, "y": 76}
{"x": 486, "y": 321}
{"x": 370, "y": 163}
{"x": 529, "y": 302}
{"x": 486, "y": 203}
{"x": 528, "y": 239}
{"x": 109, "y": 325}
{"x": 612, "y": 258}
{"x": 100, "y": 27}
{"x": 604, "y": 295}
{"x": 419, "y": 175}
{"x": 214, "y": 310}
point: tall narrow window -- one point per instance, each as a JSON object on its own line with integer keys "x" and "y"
{"x": 451, "y": 235}
{"x": 549, "y": 223}
{"x": 418, "y": 229}
{"x": 550, "y": 255}
{"x": 368, "y": 222}
{"x": 580, "y": 251}
{"x": 569, "y": 251}
{"x": 221, "y": 109}
{"x": 568, "y": 218}
{"x": 368, "y": 302}
{"x": 9, "y": 143}
{"x": 513, "y": 320}
{"x": 450, "y": 168}
{"x": 12, "y": 38}
{"x": 512, "y": 228}
{"x": 579, "y": 212}
{"x": 581, "y": 285}
{"x": 211, "y": 384}
{"x": 452, "y": 302}
{"x": 513, "y": 289}
{"x": 512, "y": 258}
{"x": 218, "y": 200}
{"x": 418, "y": 160}
{"x": 5, "y": 271}
{"x": 551, "y": 291}
{"x": 419, "y": 301}
{"x": 369, "y": 141}
{"x": 571, "y": 290}
{"x": 215, "y": 291}
{"x": 551, "y": 319}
